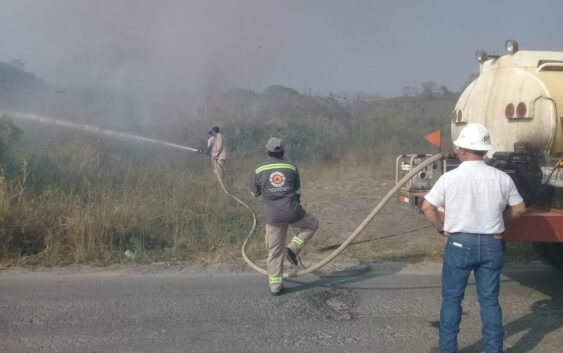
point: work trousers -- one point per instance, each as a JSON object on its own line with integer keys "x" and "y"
{"x": 482, "y": 254}
{"x": 219, "y": 167}
{"x": 275, "y": 243}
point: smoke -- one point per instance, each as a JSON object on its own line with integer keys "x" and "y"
{"x": 169, "y": 51}
{"x": 177, "y": 51}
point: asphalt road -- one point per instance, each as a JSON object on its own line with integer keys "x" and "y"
{"x": 387, "y": 307}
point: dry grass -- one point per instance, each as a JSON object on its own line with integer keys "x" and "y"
{"x": 97, "y": 207}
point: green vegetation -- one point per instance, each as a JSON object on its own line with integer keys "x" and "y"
{"x": 334, "y": 129}
{"x": 67, "y": 197}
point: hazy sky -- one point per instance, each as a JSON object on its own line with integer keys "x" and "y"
{"x": 185, "y": 47}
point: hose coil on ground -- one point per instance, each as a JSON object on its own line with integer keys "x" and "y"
{"x": 352, "y": 236}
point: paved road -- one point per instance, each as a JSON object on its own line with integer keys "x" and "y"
{"x": 374, "y": 308}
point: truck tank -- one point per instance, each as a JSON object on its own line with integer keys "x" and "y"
{"x": 519, "y": 98}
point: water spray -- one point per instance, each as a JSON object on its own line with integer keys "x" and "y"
{"x": 93, "y": 129}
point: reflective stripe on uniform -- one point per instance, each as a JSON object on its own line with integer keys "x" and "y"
{"x": 275, "y": 166}
{"x": 275, "y": 280}
{"x": 298, "y": 241}
{"x": 298, "y": 192}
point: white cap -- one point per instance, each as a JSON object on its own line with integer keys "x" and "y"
{"x": 275, "y": 144}
{"x": 474, "y": 137}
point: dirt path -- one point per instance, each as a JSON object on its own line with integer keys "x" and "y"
{"x": 397, "y": 233}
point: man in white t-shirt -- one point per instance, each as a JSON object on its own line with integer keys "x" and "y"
{"x": 476, "y": 199}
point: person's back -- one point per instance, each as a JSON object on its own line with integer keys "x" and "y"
{"x": 278, "y": 183}
{"x": 219, "y": 150}
{"x": 475, "y": 196}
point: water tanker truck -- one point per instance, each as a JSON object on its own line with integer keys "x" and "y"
{"x": 519, "y": 98}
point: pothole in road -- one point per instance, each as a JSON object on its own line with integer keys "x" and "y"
{"x": 334, "y": 303}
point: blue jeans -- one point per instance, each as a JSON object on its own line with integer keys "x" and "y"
{"x": 483, "y": 255}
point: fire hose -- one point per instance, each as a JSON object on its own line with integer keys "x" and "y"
{"x": 352, "y": 236}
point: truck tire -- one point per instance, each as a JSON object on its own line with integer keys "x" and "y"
{"x": 556, "y": 253}
{"x": 550, "y": 253}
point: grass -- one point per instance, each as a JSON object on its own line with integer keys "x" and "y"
{"x": 83, "y": 203}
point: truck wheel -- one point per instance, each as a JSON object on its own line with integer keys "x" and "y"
{"x": 550, "y": 253}
{"x": 556, "y": 253}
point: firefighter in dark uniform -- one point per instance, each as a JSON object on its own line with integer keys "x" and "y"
{"x": 278, "y": 183}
